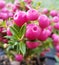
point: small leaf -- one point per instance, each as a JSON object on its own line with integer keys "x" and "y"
{"x": 14, "y": 32}
{"x": 57, "y": 59}
{"x": 8, "y": 37}
{"x": 22, "y": 48}
{"x": 22, "y": 30}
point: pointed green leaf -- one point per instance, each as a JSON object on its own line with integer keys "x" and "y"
{"x": 22, "y": 48}
{"x": 22, "y": 30}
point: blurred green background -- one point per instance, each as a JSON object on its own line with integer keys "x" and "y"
{"x": 50, "y": 4}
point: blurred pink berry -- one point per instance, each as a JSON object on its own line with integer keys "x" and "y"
{"x": 5, "y": 41}
{"x": 1, "y": 39}
{"x": 28, "y": 1}
{"x": 50, "y": 28}
{"x": 9, "y": 32}
{"x": 20, "y": 18}
{"x": 57, "y": 47}
{"x": 43, "y": 21}
{"x": 45, "y": 11}
{"x": 53, "y": 13}
{"x": 55, "y": 19}
{"x": 42, "y": 54}
{"x": 19, "y": 57}
{"x": 4, "y": 16}
{"x": 32, "y": 45}
{"x": 32, "y": 14}
{"x": 55, "y": 38}
{"x": 56, "y": 26}
{"x": 44, "y": 35}
{"x": 5, "y": 10}
{"x": 2, "y": 4}
{"x": 33, "y": 31}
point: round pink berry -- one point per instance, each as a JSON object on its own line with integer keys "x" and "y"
{"x": 33, "y": 31}
{"x": 43, "y": 21}
{"x": 56, "y": 26}
{"x": 32, "y": 45}
{"x": 2, "y": 3}
{"x": 9, "y": 32}
{"x": 44, "y": 35}
{"x": 32, "y": 14}
{"x": 20, "y": 18}
{"x": 28, "y": 1}
{"x": 45, "y": 11}
{"x": 57, "y": 47}
{"x": 53, "y": 13}
{"x": 55, "y": 19}
{"x": 19, "y": 57}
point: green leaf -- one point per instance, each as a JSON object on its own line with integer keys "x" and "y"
{"x": 22, "y": 48}
{"x": 57, "y": 59}
{"x": 14, "y": 32}
{"x": 10, "y": 42}
{"x": 8, "y": 37}
{"x": 22, "y": 30}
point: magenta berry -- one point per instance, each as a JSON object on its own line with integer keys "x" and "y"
{"x": 53, "y": 13}
{"x": 5, "y": 40}
{"x": 57, "y": 47}
{"x": 32, "y": 45}
{"x": 19, "y": 57}
{"x": 28, "y": 1}
{"x": 20, "y": 18}
{"x": 55, "y": 38}
{"x": 50, "y": 28}
{"x": 1, "y": 38}
{"x": 44, "y": 35}
{"x": 33, "y": 31}
{"x": 32, "y": 14}
{"x": 45, "y": 11}
{"x": 4, "y": 16}
{"x": 9, "y": 32}
{"x": 2, "y": 4}
{"x": 55, "y": 19}
{"x": 43, "y": 21}
{"x": 56, "y": 26}
{"x": 42, "y": 54}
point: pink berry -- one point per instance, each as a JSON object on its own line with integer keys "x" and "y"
{"x": 32, "y": 14}
{"x": 43, "y": 21}
{"x": 57, "y": 54}
{"x": 20, "y": 18}
{"x": 55, "y": 19}
{"x": 2, "y": 4}
{"x": 53, "y": 13}
{"x": 33, "y": 31}
{"x": 45, "y": 11}
{"x": 32, "y": 45}
{"x": 9, "y": 32}
{"x": 5, "y": 40}
{"x": 42, "y": 54}
{"x": 19, "y": 57}
{"x": 50, "y": 28}
{"x": 57, "y": 47}
{"x": 44, "y": 35}
{"x": 55, "y": 44}
{"x": 1, "y": 38}
{"x": 55, "y": 38}
{"x": 28, "y": 1}
{"x": 5, "y": 10}
{"x": 4, "y": 16}
{"x": 56, "y": 26}
{"x": 10, "y": 14}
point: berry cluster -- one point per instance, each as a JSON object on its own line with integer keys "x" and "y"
{"x": 40, "y": 27}
{"x": 2, "y": 34}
